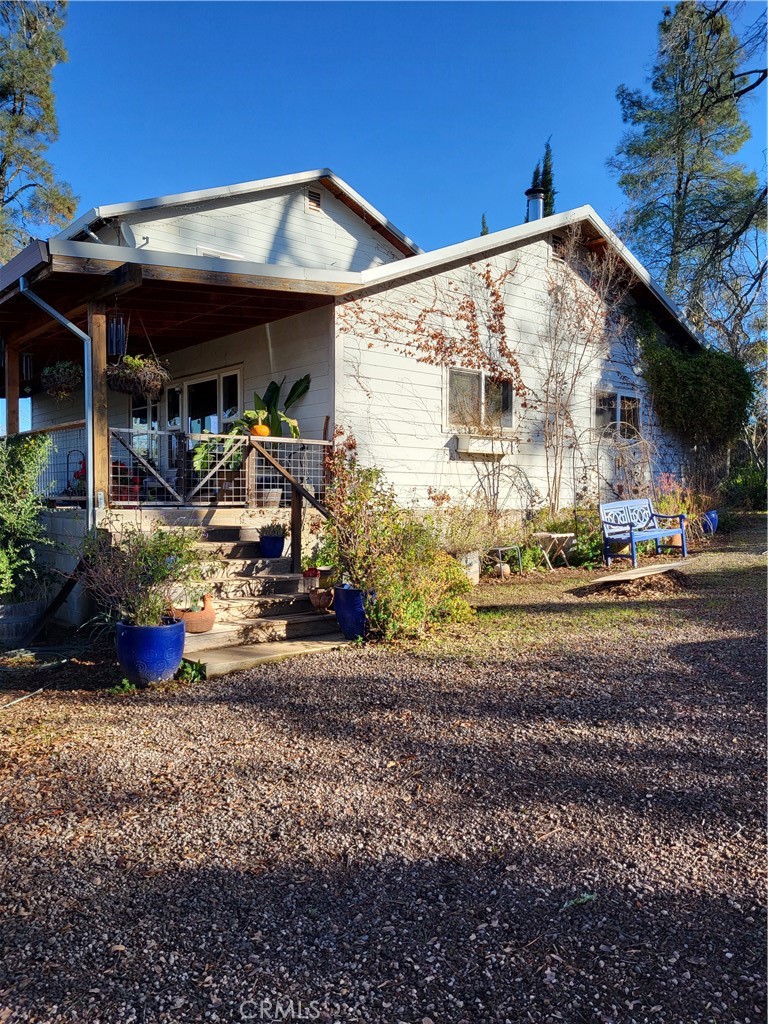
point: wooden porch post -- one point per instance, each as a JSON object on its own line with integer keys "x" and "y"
{"x": 97, "y": 329}
{"x": 11, "y": 387}
{"x": 296, "y": 504}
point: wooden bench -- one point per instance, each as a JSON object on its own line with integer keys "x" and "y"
{"x": 629, "y": 523}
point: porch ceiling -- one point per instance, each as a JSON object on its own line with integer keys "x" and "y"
{"x": 172, "y": 313}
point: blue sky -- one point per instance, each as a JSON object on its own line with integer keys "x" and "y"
{"x": 435, "y": 112}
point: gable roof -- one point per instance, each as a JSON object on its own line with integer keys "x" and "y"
{"x": 245, "y": 190}
{"x": 497, "y": 241}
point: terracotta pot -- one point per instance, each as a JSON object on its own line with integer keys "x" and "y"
{"x": 321, "y": 599}
{"x": 198, "y": 622}
{"x": 259, "y": 430}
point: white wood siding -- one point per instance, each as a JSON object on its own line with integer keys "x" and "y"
{"x": 397, "y": 406}
{"x": 276, "y": 227}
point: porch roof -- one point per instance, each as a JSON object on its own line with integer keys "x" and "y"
{"x": 175, "y": 301}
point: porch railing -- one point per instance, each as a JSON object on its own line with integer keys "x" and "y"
{"x": 155, "y": 467}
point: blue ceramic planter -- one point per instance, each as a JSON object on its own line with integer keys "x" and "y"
{"x": 149, "y": 654}
{"x": 349, "y": 605}
{"x": 709, "y": 521}
{"x": 271, "y": 547}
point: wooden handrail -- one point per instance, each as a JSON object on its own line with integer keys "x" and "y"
{"x": 73, "y": 425}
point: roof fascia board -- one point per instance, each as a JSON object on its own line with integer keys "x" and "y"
{"x": 23, "y": 263}
{"x": 233, "y": 192}
{"x": 210, "y": 264}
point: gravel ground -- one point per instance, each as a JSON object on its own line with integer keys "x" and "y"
{"x": 552, "y": 814}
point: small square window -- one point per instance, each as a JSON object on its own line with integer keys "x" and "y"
{"x": 477, "y": 402}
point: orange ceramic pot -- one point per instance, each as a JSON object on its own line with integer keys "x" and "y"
{"x": 198, "y": 622}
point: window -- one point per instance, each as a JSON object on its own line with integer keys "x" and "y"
{"x": 212, "y": 403}
{"x": 478, "y": 402}
{"x": 615, "y": 409}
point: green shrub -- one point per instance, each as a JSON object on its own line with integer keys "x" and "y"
{"x": 704, "y": 396}
{"x": 384, "y": 548}
{"x": 746, "y": 488}
{"x": 21, "y": 461}
{"x": 140, "y": 574}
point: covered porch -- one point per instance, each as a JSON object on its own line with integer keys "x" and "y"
{"x": 222, "y": 332}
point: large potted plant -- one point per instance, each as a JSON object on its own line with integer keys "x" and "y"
{"x": 138, "y": 575}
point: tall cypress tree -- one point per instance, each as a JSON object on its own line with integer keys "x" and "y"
{"x": 548, "y": 181}
{"x": 30, "y": 48}
{"x": 543, "y": 178}
{"x": 483, "y": 226}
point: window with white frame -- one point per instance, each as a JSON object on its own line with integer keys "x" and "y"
{"x": 477, "y": 402}
{"x": 617, "y": 409}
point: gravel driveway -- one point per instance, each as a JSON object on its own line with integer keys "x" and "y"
{"x": 552, "y": 814}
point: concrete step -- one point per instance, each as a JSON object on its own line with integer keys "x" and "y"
{"x": 249, "y": 567}
{"x": 228, "y": 587}
{"x": 230, "y": 548}
{"x": 260, "y": 630}
{"x": 240, "y": 609}
{"x": 220, "y": 661}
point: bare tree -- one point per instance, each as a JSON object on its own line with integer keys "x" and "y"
{"x": 587, "y": 288}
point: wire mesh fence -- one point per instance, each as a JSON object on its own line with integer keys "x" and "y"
{"x": 154, "y": 467}
{"x": 63, "y": 477}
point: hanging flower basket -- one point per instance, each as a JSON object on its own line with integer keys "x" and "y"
{"x": 139, "y": 376}
{"x": 60, "y": 379}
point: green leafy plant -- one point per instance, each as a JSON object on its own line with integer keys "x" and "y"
{"x": 745, "y": 487}
{"x": 60, "y": 379}
{"x": 122, "y": 689}
{"x": 390, "y": 552}
{"x": 140, "y": 574}
{"x": 705, "y": 396}
{"x": 140, "y": 376}
{"x": 22, "y": 459}
{"x": 267, "y": 405}
{"x": 191, "y": 672}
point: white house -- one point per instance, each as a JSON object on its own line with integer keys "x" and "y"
{"x": 278, "y": 278}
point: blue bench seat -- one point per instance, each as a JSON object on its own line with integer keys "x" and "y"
{"x": 629, "y": 523}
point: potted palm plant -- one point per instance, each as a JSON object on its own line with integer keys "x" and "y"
{"x": 137, "y": 575}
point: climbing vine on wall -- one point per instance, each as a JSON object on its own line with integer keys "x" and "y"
{"x": 704, "y": 396}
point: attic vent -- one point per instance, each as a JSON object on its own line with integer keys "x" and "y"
{"x": 313, "y": 199}
{"x": 558, "y": 247}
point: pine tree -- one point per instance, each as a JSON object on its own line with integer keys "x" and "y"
{"x": 483, "y": 226}
{"x": 548, "y": 181}
{"x": 30, "y": 48}
{"x": 692, "y": 208}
